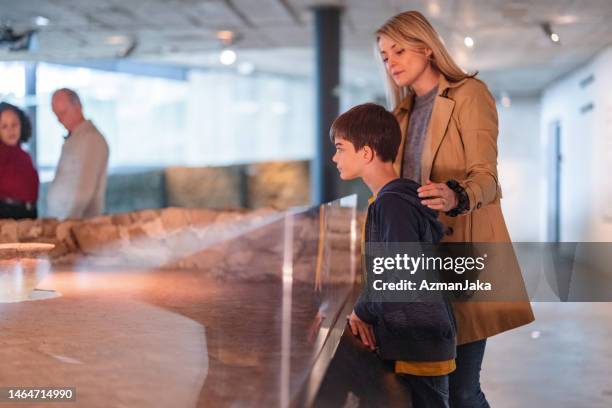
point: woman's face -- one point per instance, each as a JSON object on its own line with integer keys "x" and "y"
{"x": 402, "y": 64}
{"x": 10, "y": 128}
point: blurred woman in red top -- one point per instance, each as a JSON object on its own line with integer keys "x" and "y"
{"x": 18, "y": 177}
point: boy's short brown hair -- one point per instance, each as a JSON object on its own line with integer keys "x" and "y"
{"x": 369, "y": 125}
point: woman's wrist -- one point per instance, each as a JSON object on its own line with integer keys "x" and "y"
{"x": 463, "y": 201}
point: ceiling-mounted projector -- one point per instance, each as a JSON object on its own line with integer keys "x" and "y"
{"x": 23, "y": 41}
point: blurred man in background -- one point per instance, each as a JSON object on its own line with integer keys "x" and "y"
{"x": 79, "y": 186}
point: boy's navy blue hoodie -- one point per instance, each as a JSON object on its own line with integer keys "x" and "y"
{"x": 414, "y": 331}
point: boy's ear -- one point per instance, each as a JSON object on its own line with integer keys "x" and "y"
{"x": 368, "y": 153}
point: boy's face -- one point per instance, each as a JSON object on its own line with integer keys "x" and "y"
{"x": 350, "y": 162}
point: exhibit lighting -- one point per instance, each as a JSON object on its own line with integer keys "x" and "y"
{"x": 434, "y": 9}
{"x": 227, "y": 57}
{"x": 226, "y": 36}
{"x": 554, "y": 37}
{"x": 41, "y": 21}
{"x": 116, "y": 40}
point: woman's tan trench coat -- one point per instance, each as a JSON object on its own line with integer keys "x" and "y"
{"x": 461, "y": 144}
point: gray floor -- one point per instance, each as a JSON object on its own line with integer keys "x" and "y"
{"x": 563, "y": 359}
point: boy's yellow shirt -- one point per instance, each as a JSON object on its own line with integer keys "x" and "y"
{"x": 420, "y": 368}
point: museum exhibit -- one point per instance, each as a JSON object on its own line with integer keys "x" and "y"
{"x": 303, "y": 203}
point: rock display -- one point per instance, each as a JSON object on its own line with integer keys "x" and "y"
{"x": 140, "y": 238}
{"x": 205, "y": 187}
{"x": 228, "y": 244}
{"x": 278, "y": 184}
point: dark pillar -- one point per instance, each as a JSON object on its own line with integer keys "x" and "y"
{"x": 30, "y": 108}
{"x": 324, "y": 175}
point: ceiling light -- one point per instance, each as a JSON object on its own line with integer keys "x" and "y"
{"x": 565, "y": 19}
{"x": 227, "y": 57}
{"x": 116, "y": 40}
{"x": 434, "y": 9}
{"x": 226, "y": 36}
{"x": 554, "y": 37}
{"x": 41, "y": 21}
{"x": 469, "y": 42}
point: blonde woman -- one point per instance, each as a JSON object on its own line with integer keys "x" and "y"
{"x": 449, "y": 145}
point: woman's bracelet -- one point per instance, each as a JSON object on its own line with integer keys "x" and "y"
{"x": 463, "y": 201}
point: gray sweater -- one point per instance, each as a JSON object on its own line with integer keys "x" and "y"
{"x": 79, "y": 187}
{"x": 417, "y": 130}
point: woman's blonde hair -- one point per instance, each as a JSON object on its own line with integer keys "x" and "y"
{"x": 411, "y": 29}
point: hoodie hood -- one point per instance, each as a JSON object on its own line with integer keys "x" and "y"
{"x": 407, "y": 189}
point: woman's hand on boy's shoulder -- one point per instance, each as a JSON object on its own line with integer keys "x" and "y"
{"x": 362, "y": 330}
{"x": 437, "y": 196}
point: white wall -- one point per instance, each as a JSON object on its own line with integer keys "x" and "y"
{"x": 519, "y": 162}
{"x": 586, "y": 149}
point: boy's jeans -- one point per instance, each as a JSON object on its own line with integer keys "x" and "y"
{"x": 427, "y": 392}
{"x": 463, "y": 383}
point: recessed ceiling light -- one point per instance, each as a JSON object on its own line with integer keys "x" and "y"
{"x": 116, "y": 40}
{"x": 434, "y": 9}
{"x": 41, "y": 21}
{"x": 565, "y": 19}
{"x": 555, "y": 37}
{"x": 469, "y": 42}
{"x": 227, "y": 57}
{"x": 226, "y": 36}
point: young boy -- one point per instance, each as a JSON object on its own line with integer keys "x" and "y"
{"x": 367, "y": 139}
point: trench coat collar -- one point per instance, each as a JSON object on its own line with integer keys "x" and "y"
{"x": 440, "y": 117}
{"x": 443, "y": 85}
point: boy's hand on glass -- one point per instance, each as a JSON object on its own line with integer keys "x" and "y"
{"x": 437, "y": 196}
{"x": 362, "y": 330}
